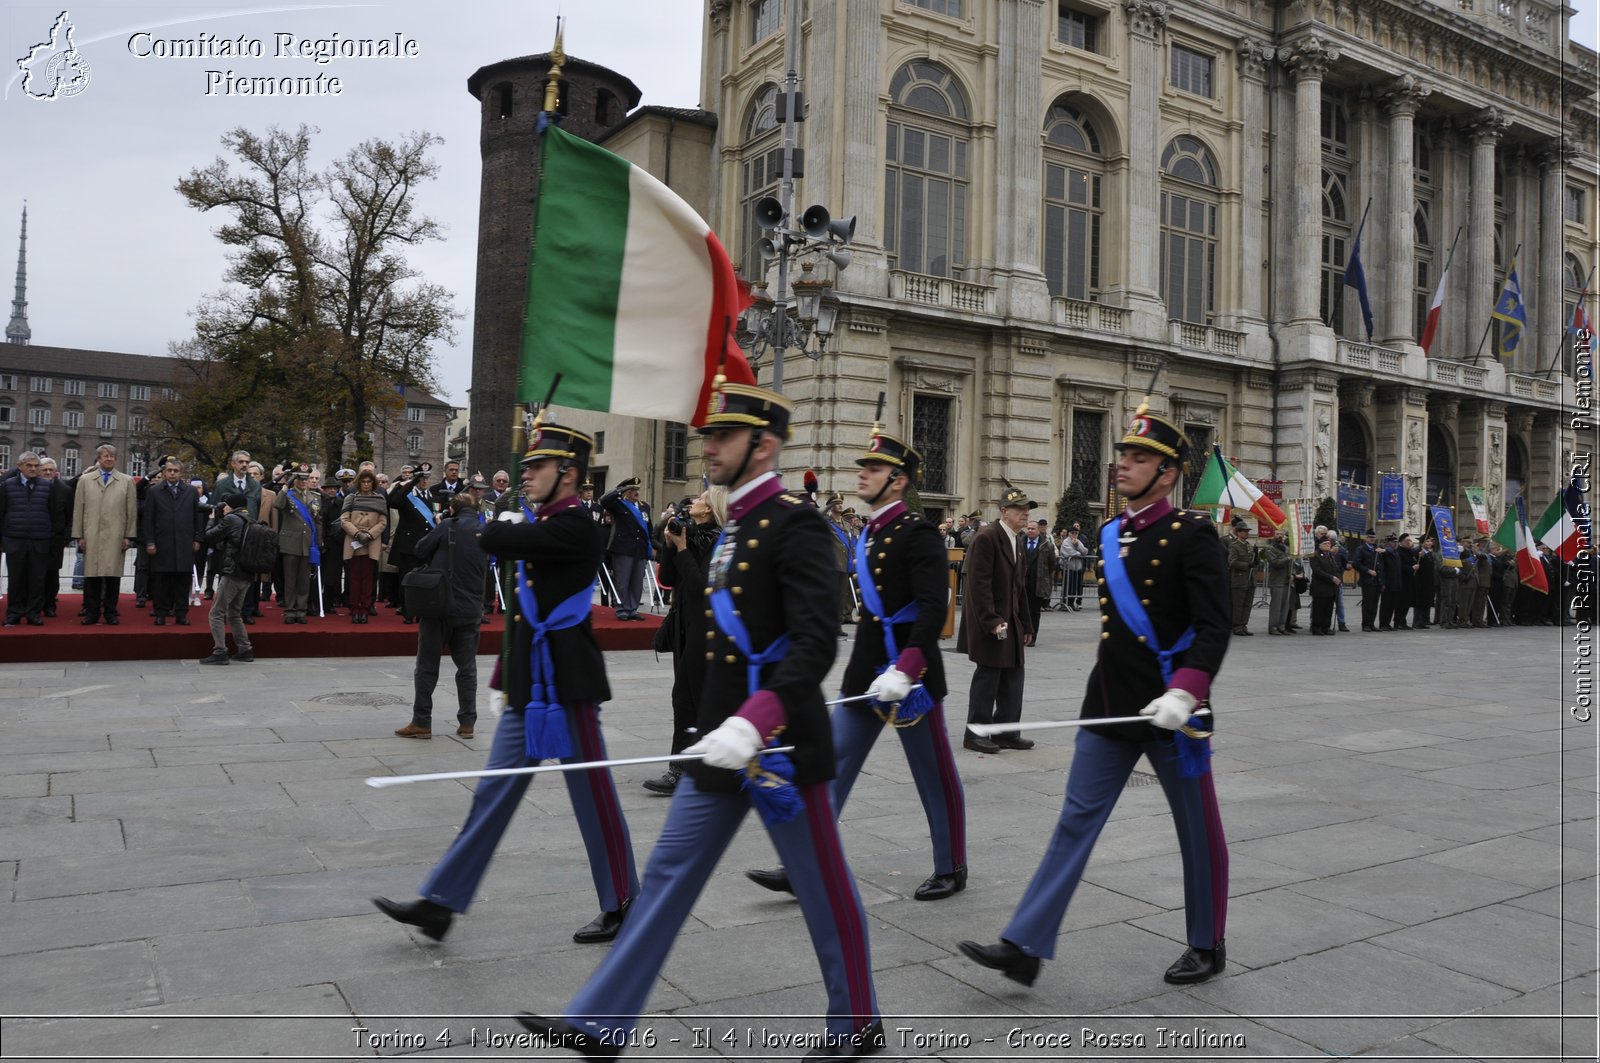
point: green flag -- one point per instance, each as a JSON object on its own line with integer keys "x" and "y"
{"x": 1506, "y": 534}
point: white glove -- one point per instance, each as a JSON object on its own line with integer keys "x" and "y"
{"x": 1171, "y": 710}
{"x": 892, "y": 686}
{"x": 512, "y": 516}
{"x": 497, "y": 702}
{"x": 730, "y": 746}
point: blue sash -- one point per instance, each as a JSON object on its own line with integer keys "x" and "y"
{"x": 423, "y": 508}
{"x": 649, "y": 551}
{"x": 544, "y": 718}
{"x": 851, "y": 552}
{"x": 732, "y": 625}
{"x": 311, "y": 529}
{"x": 919, "y": 701}
{"x": 1193, "y": 752}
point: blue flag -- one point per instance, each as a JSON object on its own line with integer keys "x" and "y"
{"x": 1444, "y": 526}
{"x": 1352, "y": 508}
{"x": 1392, "y": 498}
{"x": 1356, "y": 277}
{"x": 1508, "y": 310}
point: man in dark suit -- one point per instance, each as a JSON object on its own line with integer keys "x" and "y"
{"x": 30, "y": 515}
{"x": 1165, "y": 622}
{"x": 172, "y": 527}
{"x": 554, "y": 679}
{"x": 62, "y": 488}
{"x": 238, "y": 478}
{"x": 765, "y": 658}
{"x": 446, "y": 489}
{"x": 456, "y": 541}
{"x": 630, "y": 544}
{"x": 995, "y": 625}
{"x": 1042, "y": 568}
{"x": 1369, "y": 576}
{"x": 905, "y": 558}
{"x": 411, "y": 500}
{"x": 1326, "y": 576}
{"x": 1392, "y": 601}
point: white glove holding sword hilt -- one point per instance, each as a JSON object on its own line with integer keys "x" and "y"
{"x": 732, "y": 745}
{"x": 511, "y": 516}
{"x": 1171, "y": 710}
{"x": 890, "y": 687}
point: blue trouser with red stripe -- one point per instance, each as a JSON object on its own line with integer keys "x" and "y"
{"x": 933, "y": 768}
{"x": 594, "y": 804}
{"x": 1100, "y": 769}
{"x": 699, "y": 826}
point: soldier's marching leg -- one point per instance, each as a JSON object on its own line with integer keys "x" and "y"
{"x": 600, "y": 821}
{"x": 933, "y": 769}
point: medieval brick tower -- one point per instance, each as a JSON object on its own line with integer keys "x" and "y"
{"x": 511, "y": 94}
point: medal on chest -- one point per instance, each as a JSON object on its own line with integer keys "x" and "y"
{"x": 1127, "y": 539}
{"x": 722, "y": 560}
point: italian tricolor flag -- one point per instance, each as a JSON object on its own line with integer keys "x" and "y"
{"x": 1223, "y": 485}
{"x": 1430, "y": 328}
{"x": 631, "y": 296}
{"x": 1530, "y": 570}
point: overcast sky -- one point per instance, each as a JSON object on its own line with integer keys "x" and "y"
{"x": 116, "y": 260}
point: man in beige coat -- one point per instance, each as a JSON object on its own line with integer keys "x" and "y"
{"x": 105, "y": 520}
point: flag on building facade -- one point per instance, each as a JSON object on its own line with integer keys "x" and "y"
{"x": 1480, "y": 508}
{"x": 1564, "y": 525}
{"x": 1223, "y": 485}
{"x": 1530, "y": 570}
{"x": 1356, "y": 277}
{"x": 631, "y": 296}
{"x": 1430, "y": 327}
{"x": 1578, "y": 324}
{"x": 1509, "y": 311}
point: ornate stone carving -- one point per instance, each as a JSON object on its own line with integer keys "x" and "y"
{"x": 1489, "y": 125}
{"x": 1146, "y": 18}
{"x": 1310, "y": 57}
{"x": 1357, "y": 394}
{"x": 1520, "y": 421}
{"x": 1253, "y": 56}
{"x": 1444, "y": 408}
{"x": 1258, "y": 380}
{"x": 922, "y": 380}
{"x": 720, "y": 10}
{"x": 1557, "y": 152}
{"x": 1323, "y": 447}
{"x": 1405, "y": 94}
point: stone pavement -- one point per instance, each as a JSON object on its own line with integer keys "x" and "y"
{"x": 187, "y": 857}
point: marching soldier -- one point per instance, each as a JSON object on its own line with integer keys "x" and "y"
{"x": 555, "y": 680}
{"x": 905, "y": 557}
{"x": 1165, "y": 619}
{"x": 773, "y": 636}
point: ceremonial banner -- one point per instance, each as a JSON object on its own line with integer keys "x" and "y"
{"x": 631, "y": 297}
{"x": 1273, "y": 490}
{"x": 1444, "y": 526}
{"x": 1480, "y": 508}
{"x": 1302, "y": 513}
{"x": 1392, "y": 497}
{"x": 1353, "y": 508}
{"x": 1530, "y": 570}
{"x": 1223, "y": 485}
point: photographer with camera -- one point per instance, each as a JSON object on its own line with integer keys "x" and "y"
{"x": 224, "y": 536}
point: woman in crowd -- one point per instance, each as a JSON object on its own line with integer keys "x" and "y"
{"x": 364, "y": 519}
{"x": 1073, "y": 553}
{"x": 684, "y": 562}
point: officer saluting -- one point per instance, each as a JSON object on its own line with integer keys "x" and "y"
{"x": 1164, "y": 607}
{"x": 555, "y": 680}
{"x": 904, "y": 576}
{"x": 773, "y": 637}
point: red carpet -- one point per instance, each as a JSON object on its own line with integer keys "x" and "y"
{"x": 136, "y": 638}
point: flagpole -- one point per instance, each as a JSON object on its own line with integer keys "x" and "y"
{"x": 1355, "y": 248}
{"x": 1561, "y": 347}
{"x": 1490, "y": 325}
{"x": 1449, "y": 260}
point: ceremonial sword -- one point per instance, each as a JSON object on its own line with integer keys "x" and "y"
{"x": 984, "y": 730}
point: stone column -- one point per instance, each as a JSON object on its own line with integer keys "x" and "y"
{"x": 1309, "y": 59}
{"x": 862, "y": 161}
{"x": 713, "y": 64}
{"x": 1547, "y": 312}
{"x": 1480, "y": 294}
{"x": 1400, "y": 417}
{"x": 1480, "y": 460}
{"x": 1146, "y": 20}
{"x": 1550, "y": 458}
{"x": 1019, "y": 62}
{"x": 1307, "y": 409}
{"x": 1253, "y": 56}
{"x": 1405, "y": 95}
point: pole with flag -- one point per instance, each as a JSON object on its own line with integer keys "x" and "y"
{"x": 1578, "y": 327}
{"x": 1530, "y": 569}
{"x": 1430, "y": 328}
{"x": 1223, "y": 485}
{"x": 1564, "y": 525}
{"x": 1356, "y": 277}
{"x": 1509, "y": 312}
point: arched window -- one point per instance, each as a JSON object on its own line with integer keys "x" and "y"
{"x": 607, "y": 109}
{"x": 1336, "y": 232}
{"x": 1355, "y": 464}
{"x": 926, "y": 188}
{"x": 1188, "y": 230}
{"x": 1575, "y": 284}
{"x": 1441, "y": 469}
{"x": 761, "y": 161}
{"x": 1423, "y": 280}
{"x": 1074, "y": 170}
{"x": 502, "y": 100}
{"x": 1516, "y": 471}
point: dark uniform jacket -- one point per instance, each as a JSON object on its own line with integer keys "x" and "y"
{"x": 1177, "y": 566}
{"x": 994, "y": 588}
{"x": 1367, "y": 559}
{"x": 457, "y": 544}
{"x": 628, "y": 538}
{"x": 410, "y": 526}
{"x": 442, "y": 492}
{"x": 562, "y": 554}
{"x": 773, "y": 561}
{"x": 1326, "y": 575}
{"x": 1241, "y": 559}
{"x": 174, "y": 525}
{"x": 224, "y": 536}
{"x": 907, "y": 560}
{"x": 1389, "y": 565}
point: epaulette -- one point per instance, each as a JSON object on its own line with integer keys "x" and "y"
{"x": 1198, "y": 517}
{"x": 791, "y": 500}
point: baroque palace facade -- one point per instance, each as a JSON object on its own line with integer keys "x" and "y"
{"x": 1052, "y": 196}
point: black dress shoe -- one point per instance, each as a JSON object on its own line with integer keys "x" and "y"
{"x": 430, "y": 918}
{"x": 1007, "y": 742}
{"x": 113, "y": 620}
{"x": 867, "y": 1041}
{"x": 1005, "y": 958}
{"x": 1198, "y": 965}
{"x": 603, "y": 927}
{"x": 938, "y": 887}
{"x": 979, "y": 745}
{"x": 35, "y": 621}
{"x": 49, "y": 610}
{"x": 182, "y": 621}
{"x": 776, "y": 880}
{"x": 161, "y": 621}
{"x": 559, "y": 1033}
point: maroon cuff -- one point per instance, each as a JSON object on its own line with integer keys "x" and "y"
{"x": 912, "y": 663}
{"x": 494, "y": 678}
{"x": 765, "y": 711}
{"x": 1192, "y": 680}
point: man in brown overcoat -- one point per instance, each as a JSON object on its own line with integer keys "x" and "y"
{"x": 995, "y": 624}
